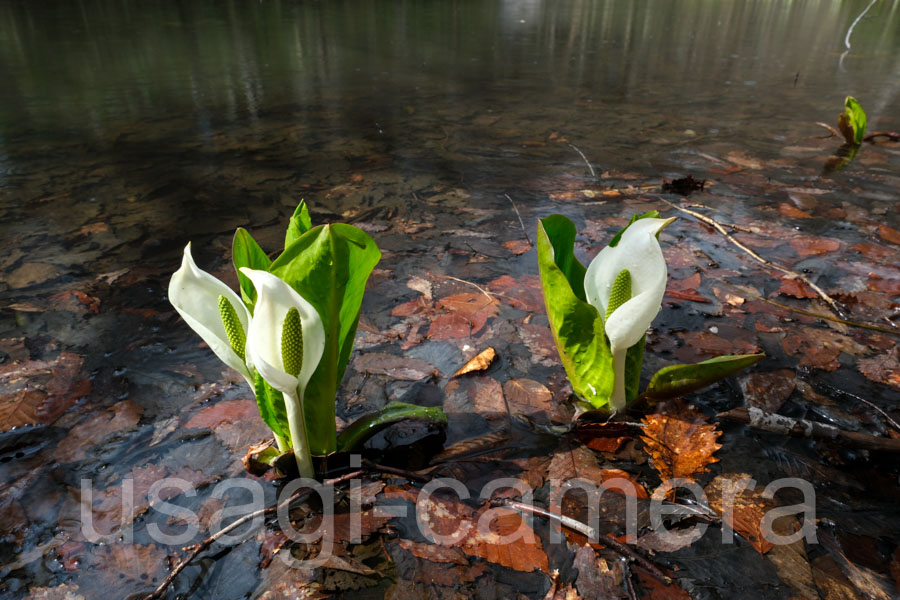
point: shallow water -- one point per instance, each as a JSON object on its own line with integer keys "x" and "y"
{"x": 127, "y": 130}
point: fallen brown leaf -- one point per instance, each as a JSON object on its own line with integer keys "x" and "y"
{"x": 524, "y": 293}
{"x": 796, "y": 288}
{"x": 479, "y": 362}
{"x": 398, "y": 367}
{"x": 742, "y": 509}
{"x": 679, "y": 449}
{"x": 81, "y": 438}
{"x": 884, "y": 368}
{"x": 39, "y": 392}
{"x": 517, "y": 246}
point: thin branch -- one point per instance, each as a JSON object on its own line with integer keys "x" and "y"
{"x": 474, "y": 285}
{"x": 718, "y": 227}
{"x": 834, "y": 132}
{"x": 198, "y": 548}
{"x": 872, "y": 405}
{"x": 895, "y": 137}
{"x": 522, "y": 223}
{"x": 370, "y": 466}
{"x": 586, "y": 161}
{"x": 760, "y": 419}
{"x": 591, "y": 534}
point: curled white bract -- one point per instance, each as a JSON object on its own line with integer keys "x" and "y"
{"x": 639, "y": 253}
{"x": 195, "y": 295}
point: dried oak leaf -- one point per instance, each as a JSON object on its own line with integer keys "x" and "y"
{"x": 679, "y": 449}
{"x": 743, "y": 509}
{"x": 479, "y": 362}
{"x": 884, "y": 368}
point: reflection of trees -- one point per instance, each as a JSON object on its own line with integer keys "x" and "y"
{"x": 80, "y": 65}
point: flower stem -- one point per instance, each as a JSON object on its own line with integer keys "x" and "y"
{"x": 617, "y": 400}
{"x": 297, "y": 426}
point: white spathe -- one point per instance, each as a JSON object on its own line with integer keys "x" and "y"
{"x": 195, "y": 295}
{"x": 639, "y": 253}
{"x": 274, "y": 298}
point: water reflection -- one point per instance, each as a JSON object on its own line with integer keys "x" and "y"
{"x": 90, "y": 67}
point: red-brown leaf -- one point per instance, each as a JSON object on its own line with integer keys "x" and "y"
{"x": 679, "y": 449}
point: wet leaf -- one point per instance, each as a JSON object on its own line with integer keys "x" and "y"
{"x": 819, "y": 348}
{"x": 747, "y": 507}
{"x": 831, "y": 580}
{"x": 889, "y": 234}
{"x": 523, "y": 293}
{"x": 812, "y": 245}
{"x": 795, "y": 288}
{"x": 39, "y": 392}
{"x": 397, "y": 367}
{"x": 791, "y": 560}
{"x": 884, "y": 368}
{"x": 596, "y": 577}
{"x": 469, "y": 313}
{"x": 685, "y": 289}
{"x": 81, "y": 438}
{"x": 517, "y": 246}
{"x": 767, "y": 390}
{"x": 532, "y": 399}
{"x": 603, "y": 437}
{"x": 68, "y": 591}
{"x": 653, "y": 589}
{"x": 573, "y": 461}
{"x": 227, "y": 411}
{"x": 679, "y": 449}
{"x": 479, "y": 362}
{"x": 32, "y": 273}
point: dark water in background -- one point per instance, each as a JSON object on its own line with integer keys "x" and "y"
{"x": 129, "y": 128}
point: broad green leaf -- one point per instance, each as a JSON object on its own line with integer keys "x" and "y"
{"x": 245, "y": 252}
{"x": 356, "y": 434}
{"x": 329, "y": 265}
{"x": 271, "y": 408}
{"x": 678, "y": 380}
{"x": 653, "y": 214}
{"x": 576, "y": 325}
{"x": 299, "y": 224}
{"x": 857, "y": 118}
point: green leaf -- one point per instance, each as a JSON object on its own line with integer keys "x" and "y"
{"x": 245, "y": 252}
{"x": 299, "y": 224}
{"x": 678, "y": 380}
{"x": 356, "y": 434}
{"x": 576, "y": 325}
{"x": 653, "y": 214}
{"x": 329, "y": 266}
{"x": 857, "y": 118}
{"x": 271, "y": 408}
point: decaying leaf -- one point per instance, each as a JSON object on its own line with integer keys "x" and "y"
{"x": 679, "y": 449}
{"x": 603, "y": 437}
{"x": 597, "y": 578}
{"x": 398, "y": 367}
{"x": 76, "y": 445}
{"x": 479, "y": 362}
{"x": 452, "y": 523}
{"x": 532, "y": 399}
{"x": 742, "y": 507}
{"x": 884, "y": 368}
{"x": 38, "y": 392}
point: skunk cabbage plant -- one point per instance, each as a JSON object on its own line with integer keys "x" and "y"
{"x": 290, "y": 331}
{"x": 600, "y": 315}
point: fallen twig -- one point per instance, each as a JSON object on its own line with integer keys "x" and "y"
{"x": 370, "y": 466}
{"x": 196, "y": 549}
{"x": 872, "y": 405}
{"x": 718, "y": 227}
{"x": 591, "y": 534}
{"x": 760, "y": 419}
{"x": 816, "y": 315}
{"x": 522, "y": 223}
{"x": 586, "y": 161}
{"x": 475, "y": 285}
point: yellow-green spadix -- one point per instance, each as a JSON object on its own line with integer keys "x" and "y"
{"x": 200, "y": 299}
{"x": 626, "y": 284}
{"x": 285, "y": 343}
